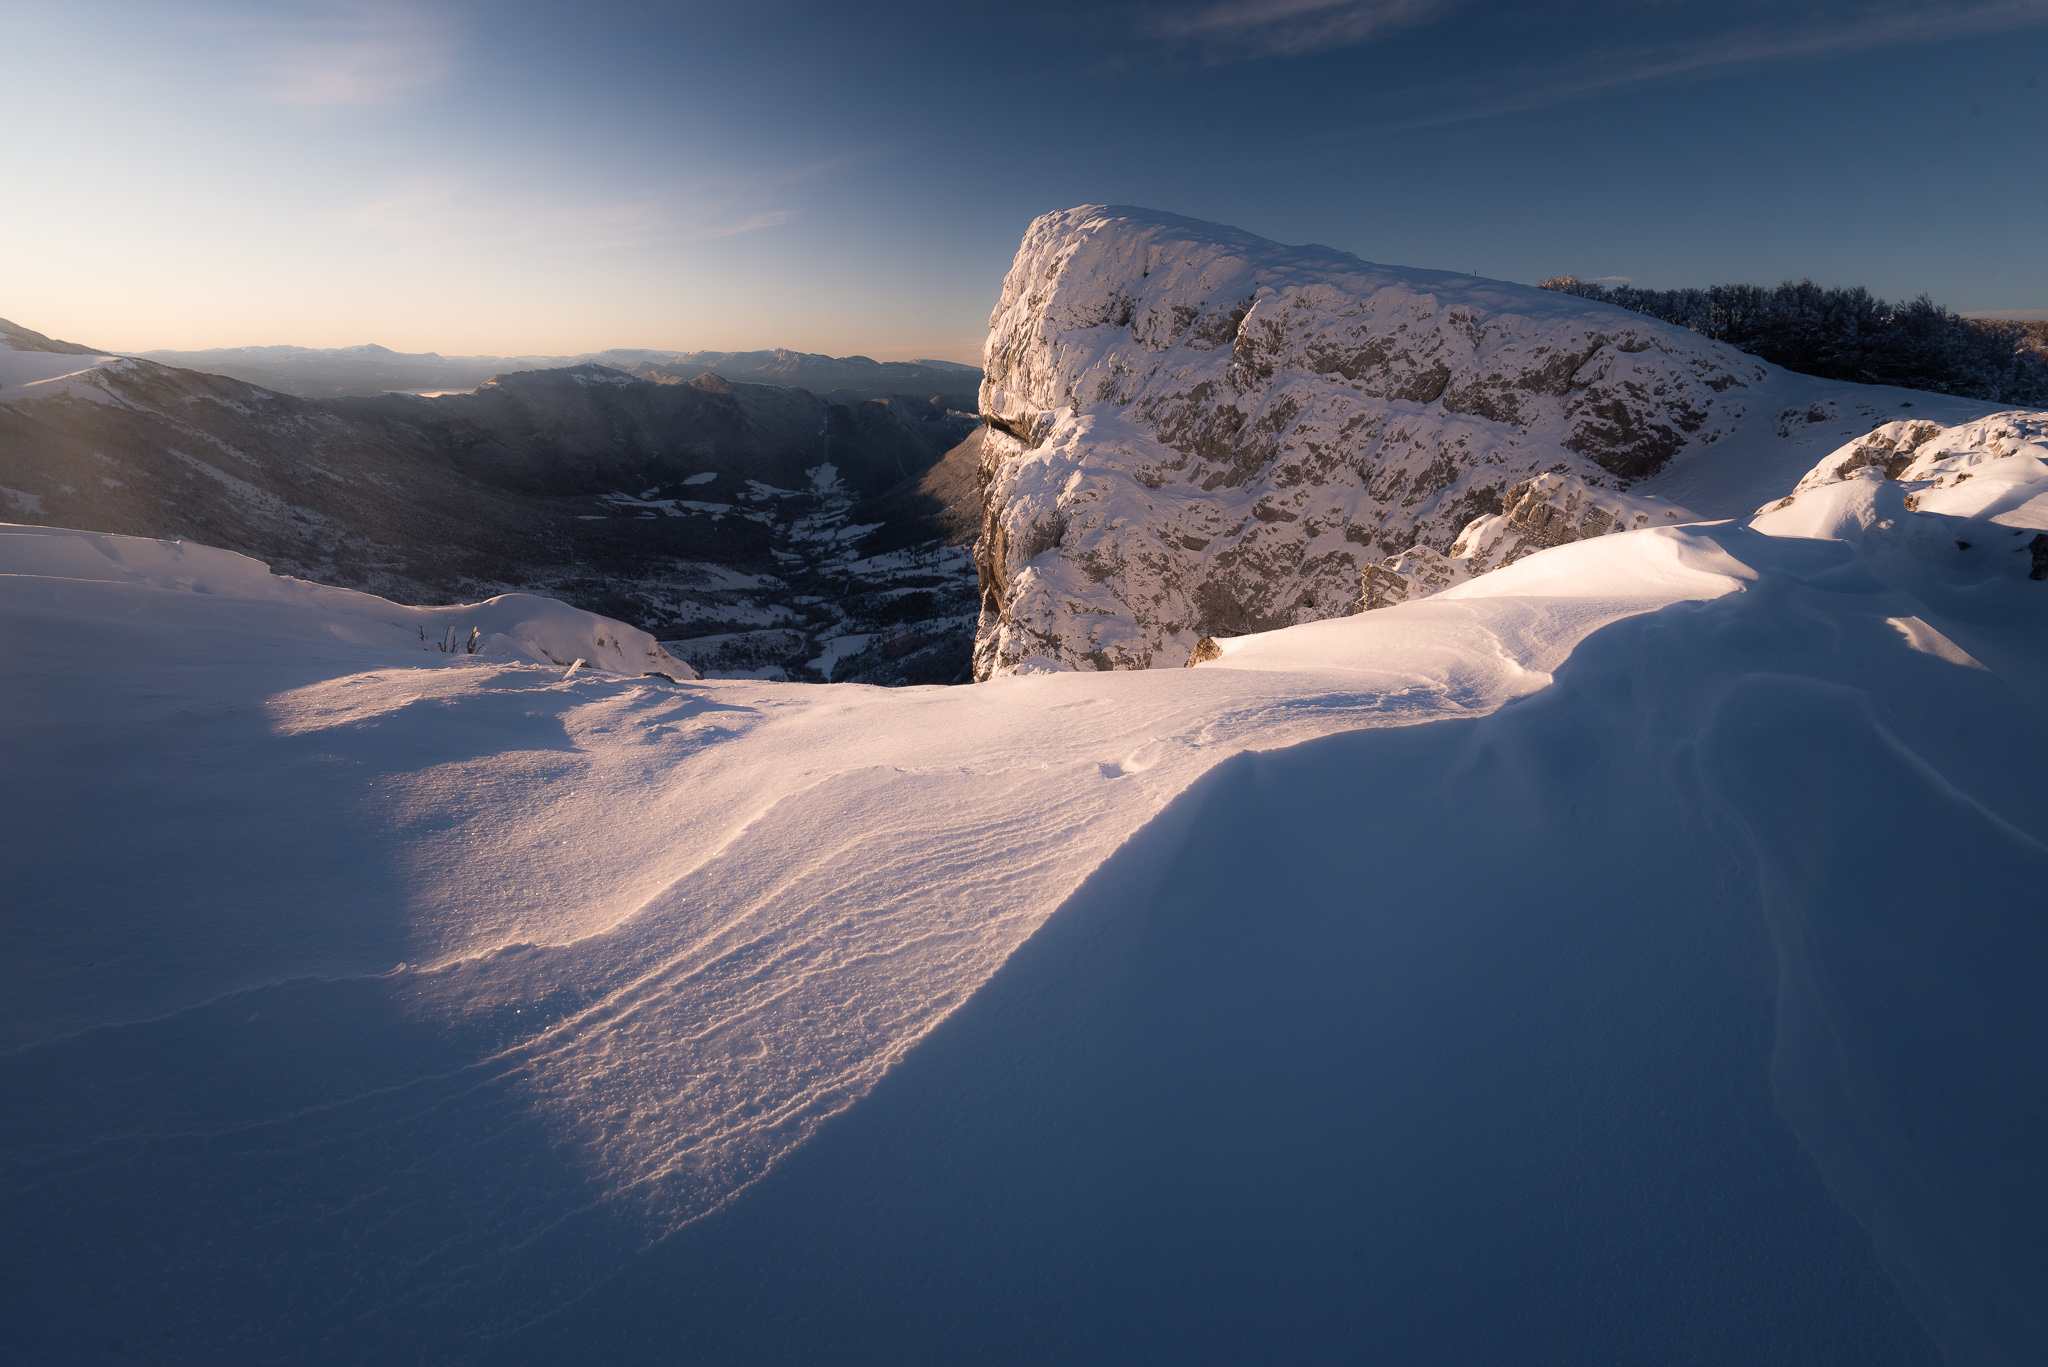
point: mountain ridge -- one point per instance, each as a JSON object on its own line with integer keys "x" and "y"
{"x": 369, "y": 369}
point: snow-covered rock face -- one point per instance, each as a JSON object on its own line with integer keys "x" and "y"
{"x": 1198, "y": 431}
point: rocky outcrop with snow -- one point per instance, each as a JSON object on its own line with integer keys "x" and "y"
{"x": 2006, "y": 449}
{"x": 2006, "y": 455}
{"x": 1968, "y": 502}
{"x": 1200, "y": 432}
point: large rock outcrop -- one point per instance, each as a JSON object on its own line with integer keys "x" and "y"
{"x": 1197, "y": 432}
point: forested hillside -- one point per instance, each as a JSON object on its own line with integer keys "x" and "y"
{"x": 1851, "y": 334}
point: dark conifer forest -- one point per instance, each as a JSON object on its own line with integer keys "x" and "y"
{"x": 1851, "y": 334}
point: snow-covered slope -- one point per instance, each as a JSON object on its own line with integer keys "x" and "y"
{"x": 26, "y": 374}
{"x": 1631, "y": 954}
{"x": 32, "y": 365}
{"x": 1200, "y": 432}
{"x": 515, "y": 625}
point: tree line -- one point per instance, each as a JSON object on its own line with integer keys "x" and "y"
{"x": 1851, "y": 334}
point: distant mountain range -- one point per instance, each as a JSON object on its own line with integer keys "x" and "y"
{"x": 786, "y": 533}
{"x": 366, "y": 371}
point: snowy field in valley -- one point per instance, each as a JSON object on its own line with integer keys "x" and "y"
{"x": 1631, "y": 955}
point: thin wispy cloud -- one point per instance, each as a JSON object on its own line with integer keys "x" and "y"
{"x": 467, "y": 210}
{"x": 342, "y": 54}
{"x": 1244, "y": 29}
{"x": 1600, "y": 72}
{"x": 439, "y": 213}
{"x": 773, "y": 218}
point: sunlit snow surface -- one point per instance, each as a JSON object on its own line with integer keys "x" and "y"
{"x": 1632, "y": 955}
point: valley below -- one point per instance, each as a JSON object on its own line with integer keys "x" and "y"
{"x": 797, "y": 534}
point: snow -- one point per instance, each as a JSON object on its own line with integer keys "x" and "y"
{"x": 30, "y": 374}
{"x": 1537, "y": 514}
{"x": 1382, "y": 969}
{"x": 670, "y": 507}
{"x": 1631, "y": 953}
{"x": 838, "y": 648}
{"x": 1797, "y": 419}
{"x": 516, "y": 625}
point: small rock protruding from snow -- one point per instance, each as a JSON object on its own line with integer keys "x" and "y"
{"x": 1416, "y": 572}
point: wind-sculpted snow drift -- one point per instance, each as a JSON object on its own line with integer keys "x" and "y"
{"x": 1199, "y": 432}
{"x": 1537, "y": 971}
{"x": 1626, "y": 951}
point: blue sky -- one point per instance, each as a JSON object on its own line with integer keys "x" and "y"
{"x": 518, "y": 178}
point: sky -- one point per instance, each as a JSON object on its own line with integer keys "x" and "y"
{"x": 516, "y": 178}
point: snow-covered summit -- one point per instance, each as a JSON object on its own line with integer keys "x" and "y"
{"x": 1200, "y": 432}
